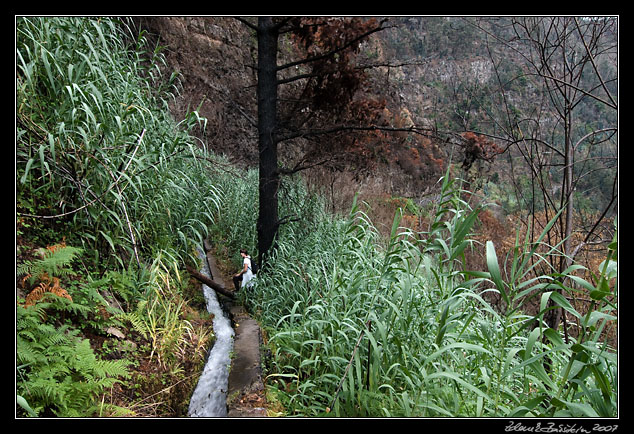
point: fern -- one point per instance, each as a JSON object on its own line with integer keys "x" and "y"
{"x": 53, "y": 262}
{"x": 45, "y": 287}
{"x": 63, "y": 304}
{"x": 136, "y": 318}
{"x": 58, "y": 371}
{"x": 137, "y": 321}
{"x": 102, "y": 372}
{"x": 27, "y": 354}
{"x": 47, "y": 271}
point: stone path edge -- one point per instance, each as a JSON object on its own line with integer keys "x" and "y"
{"x": 245, "y": 394}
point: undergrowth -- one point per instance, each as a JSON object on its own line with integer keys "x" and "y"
{"x": 103, "y": 322}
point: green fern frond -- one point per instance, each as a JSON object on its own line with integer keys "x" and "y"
{"x": 64, "y": 304}
{"x": 58, "y": 370}
{"x": 26, "y": 353}
{"x": 137, "y": 321}
{"x": 56, "y": 337}
{"x": 24, "y": 268}
{"x": 52, "y": 262}
{"x": 113, "y": 368}
{"x": 37, "y": 314}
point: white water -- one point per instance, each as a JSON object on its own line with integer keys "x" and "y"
{"x": 210, "y": 396}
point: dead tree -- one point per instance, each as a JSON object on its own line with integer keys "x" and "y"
{"x": 561, "y": 57}
{"x": 324, "y": 80}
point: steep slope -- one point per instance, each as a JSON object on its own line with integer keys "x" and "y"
{"x": 212, "y": 57}
{"x": 215, "y": 58}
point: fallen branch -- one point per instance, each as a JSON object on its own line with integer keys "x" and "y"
{"x": 210, "y": 283}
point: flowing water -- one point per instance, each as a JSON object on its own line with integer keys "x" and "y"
{"x": 210, "y": 396}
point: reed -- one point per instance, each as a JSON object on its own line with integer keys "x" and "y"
{"x": 362, "y": 327}
{"x": 96, "y": 143}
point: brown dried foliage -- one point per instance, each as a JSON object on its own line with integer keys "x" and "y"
{"x": 477, "y": 147}
{"x": 336, "y": 79}
{"x": 47, "y": 284}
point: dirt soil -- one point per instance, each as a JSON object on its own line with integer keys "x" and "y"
{"x": 245, "y": 395}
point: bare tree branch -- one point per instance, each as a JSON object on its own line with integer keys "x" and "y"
{"x": 594, "y": 65}
{"x": 424, "y": 131}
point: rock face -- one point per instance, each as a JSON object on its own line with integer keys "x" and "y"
{"x": 214, "y": 57}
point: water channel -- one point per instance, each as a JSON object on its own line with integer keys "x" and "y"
{"x": 210, "y": 396}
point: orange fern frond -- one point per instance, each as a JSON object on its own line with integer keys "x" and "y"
{"x": 39, "y": 291}
{"x": 58, "y": 246}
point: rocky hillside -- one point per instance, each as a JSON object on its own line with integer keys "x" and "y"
{"x": 435, "y": 72}
{"x": 215, "y": 56}
{"x": 212, "y": 56}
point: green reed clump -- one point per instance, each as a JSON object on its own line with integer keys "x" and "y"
{"x": 97, "y": 149}
{"x": 101, "y": 162}
{"x": 358, "y": 327}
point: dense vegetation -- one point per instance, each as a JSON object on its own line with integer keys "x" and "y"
{"x": 358, "y": 326}
{"x": 105, "y": 182}
{"x": 113, "y": 197}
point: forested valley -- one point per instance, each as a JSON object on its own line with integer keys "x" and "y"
{"x": 432, "y": 202}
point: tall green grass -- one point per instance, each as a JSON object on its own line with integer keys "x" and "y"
{"x": 96, "y": 146}
{"x": 360, "y": 326}
{"x": 101, "y": 162}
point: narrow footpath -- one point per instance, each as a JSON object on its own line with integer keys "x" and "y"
{"x": 245, "y": 395}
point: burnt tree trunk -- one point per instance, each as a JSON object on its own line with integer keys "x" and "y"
{"x": 269, "y": 135}
{"x": 268, "y": 222}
